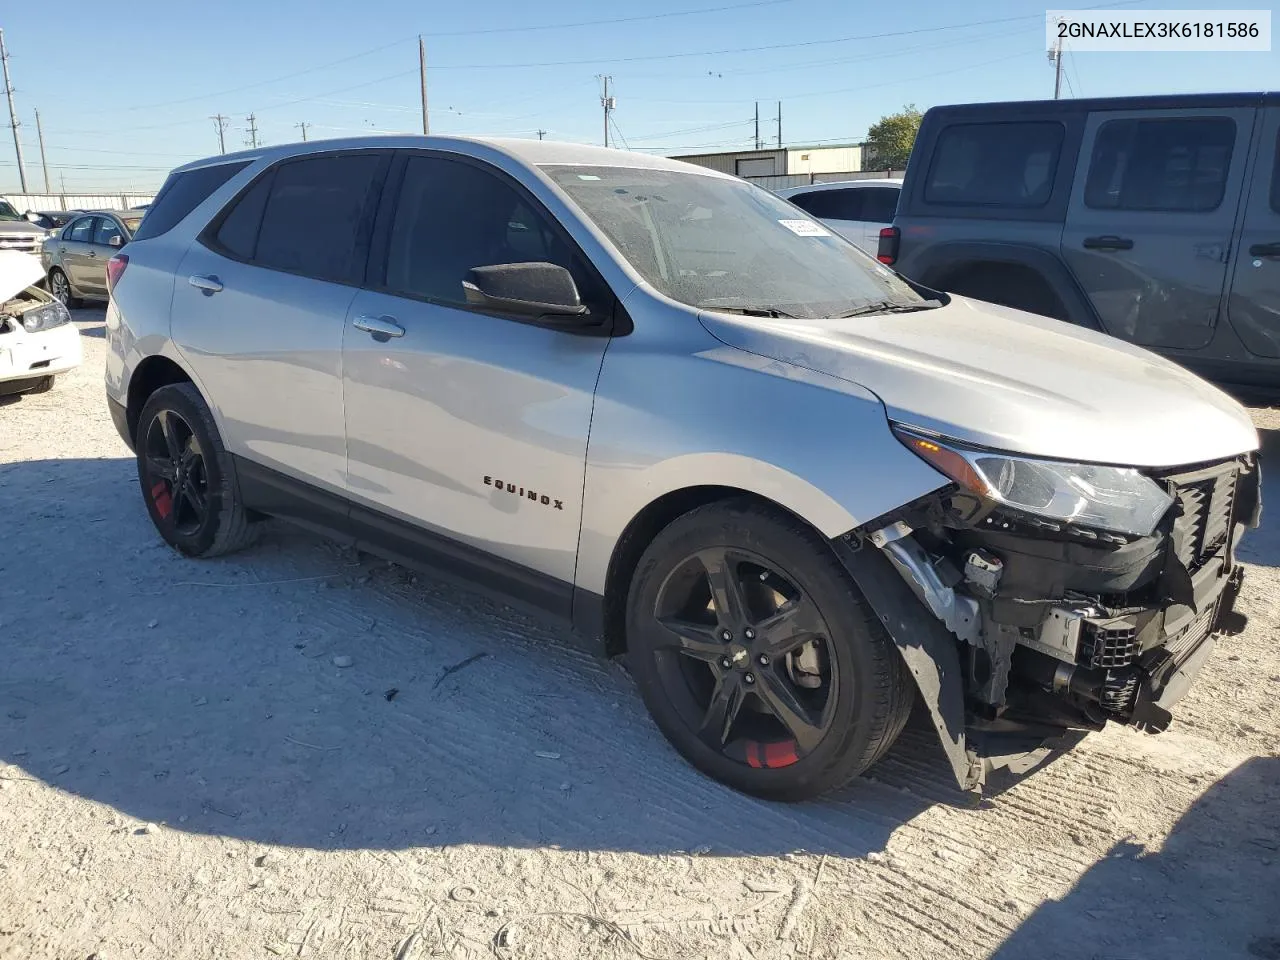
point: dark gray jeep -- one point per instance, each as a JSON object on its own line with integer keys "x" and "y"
{"x": 1153, "y": 219}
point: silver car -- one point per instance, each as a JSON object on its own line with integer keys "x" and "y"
{"x": 75, "y": 256}
{"x": 668, "y": 407}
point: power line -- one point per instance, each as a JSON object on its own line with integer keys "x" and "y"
{"x": 618, "y": 132}
{"x": 465, "y": 33}
{"x": 252, "y": 141}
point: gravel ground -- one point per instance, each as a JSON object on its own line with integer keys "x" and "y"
{"x": 185, "y": 772}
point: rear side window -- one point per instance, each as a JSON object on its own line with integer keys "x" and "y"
{"x": 181, "y": 194}
{"x": 317, "y": 216}
{"x": 995, "y": 164}
{"x": 1177, "y": 165}
{"x": 879, "y": 204}
{"x": 832, "y": 204}
{"x": 237, "y": 234}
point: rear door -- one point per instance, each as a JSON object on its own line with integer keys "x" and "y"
{"x": 259, "y": 307}
{"x": 1253, "y": 306}
{"x": 840, "y": 208}
{"x": 73, "y": 250}
{"x": 1148, "y": 230}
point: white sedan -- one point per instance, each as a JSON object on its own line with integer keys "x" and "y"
{"x": 855, "y": 209}
{"x": 38, "y": 341}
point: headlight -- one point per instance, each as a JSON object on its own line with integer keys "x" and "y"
{"x": 1107, "y": 498}
{"x": 45, "y": 318}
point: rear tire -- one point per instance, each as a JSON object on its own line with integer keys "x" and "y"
{"x": 188, "y": 479}
{"x": 44, "y": 386}
{"x": 802, "y": 722}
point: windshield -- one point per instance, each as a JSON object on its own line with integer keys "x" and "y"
{"x": 7, "y": 212}
{"x": 716, "y": 243}
{"x": 131, "y": 224}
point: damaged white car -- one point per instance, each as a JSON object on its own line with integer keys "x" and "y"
{"x": 38, "y": 341}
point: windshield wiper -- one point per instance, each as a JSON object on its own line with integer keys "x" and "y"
{"x": 887, "y": 306}
{"x": 751, "y": 311}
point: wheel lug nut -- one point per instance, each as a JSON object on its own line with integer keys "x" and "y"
{"x": 764, "y": 659}
{"x": 750, "y": 678}
{"x": 726, "y": 636}
{"x": 750, "y": 634}
{"x": 726, "y": 662}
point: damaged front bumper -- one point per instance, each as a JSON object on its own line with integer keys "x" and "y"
{"x": 1018, "y": 631}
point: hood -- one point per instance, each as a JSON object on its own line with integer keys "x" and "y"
{"x": 17, "y": 272}
{"x": 1008, "y": 380}
{"x": 24, "y": 228}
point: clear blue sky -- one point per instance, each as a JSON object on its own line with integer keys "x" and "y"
{"x": 125, "y": 91}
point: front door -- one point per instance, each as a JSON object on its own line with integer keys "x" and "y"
{"x": 1153, "y": 206}
{"x": 1253, "y": 306}
{"x": 101, "y": 249}
{"x": 73, "y": 251}
{"x": 259, "y": 304}
{"x": 469, "y": 424}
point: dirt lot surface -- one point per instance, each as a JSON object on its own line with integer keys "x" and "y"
{"x": 185, "y": 772}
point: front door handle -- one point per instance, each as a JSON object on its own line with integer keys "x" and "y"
{"x": 1108, "y": 243}
{"x": 93, "y": 255}
{"x": 381, "y": 328}
{"x": 1271, "y": 250}
{"x": 209, "y": 285}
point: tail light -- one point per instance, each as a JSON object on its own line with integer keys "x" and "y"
{"x": 115, "y": 269}
{"x": 887, "y": 251}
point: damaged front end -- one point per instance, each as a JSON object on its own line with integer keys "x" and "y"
{"x": 1024, "y": 612}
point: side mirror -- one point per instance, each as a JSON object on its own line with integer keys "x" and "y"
{"x": 528, "y": 289}
{"x": 116, "y": 241}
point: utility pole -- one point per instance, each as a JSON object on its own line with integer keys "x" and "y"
{"x": 757, "y": 124}
{"x": 252, "y": 120}
{"x": 303, "y": 127}
{"x": 779, "y": 124}
{"x": 13, "y": 116}
{"x": 608, "y": 103}
{"x": 1056, "y": 56}
{"x": 541, "y": 134}
{"x": 44, "y": 164}
{"x": 422, "y": 79}
{"x": 221, "y": 122}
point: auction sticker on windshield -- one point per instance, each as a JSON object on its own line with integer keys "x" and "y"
{"x": 805, "y": 228}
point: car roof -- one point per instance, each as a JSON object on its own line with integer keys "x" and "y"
{"x": 841, "y": 185}
{"x": 530, "y": 153}
{"x": 1088, "y": 104}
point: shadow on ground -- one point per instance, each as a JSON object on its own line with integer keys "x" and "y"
{"x": 1212, "y": 890}
{"x": 204, "y": 695}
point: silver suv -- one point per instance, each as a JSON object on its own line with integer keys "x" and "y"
{"x": 667, "y": 406}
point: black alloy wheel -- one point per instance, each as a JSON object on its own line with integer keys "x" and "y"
{"x": 753, "y": 651}
{"x": 188, "y": 479}
{"x": 176, "y": 476}
{"x": 758, "y": 657}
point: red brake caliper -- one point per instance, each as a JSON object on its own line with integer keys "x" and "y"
{"x": 163, "y": 501}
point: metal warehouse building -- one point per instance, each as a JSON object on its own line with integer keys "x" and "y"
{"x": 789, "y": 166}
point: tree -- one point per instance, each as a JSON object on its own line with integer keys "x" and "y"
{"x": 889, "y": 141}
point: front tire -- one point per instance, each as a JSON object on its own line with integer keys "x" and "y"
{"x": 758, "y": 657}
{"x": 188, "y": 479}
{"x": 60, "y": 287}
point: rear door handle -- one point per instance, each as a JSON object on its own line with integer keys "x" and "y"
{"x": 381, "y": 328}
{"x": 1108, "y": 243}
{"x": 92, "y": 254}
{"x": 1265, "y": 250}
{"x": 208, "y": 285}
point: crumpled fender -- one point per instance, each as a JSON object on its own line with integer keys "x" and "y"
{"x": 927, "y": 647}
